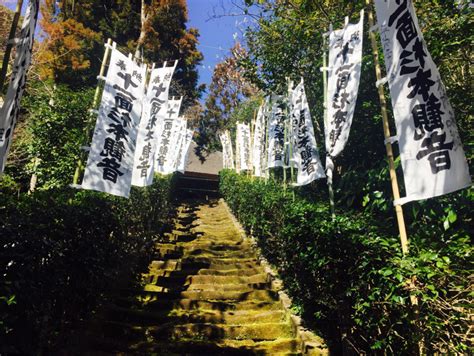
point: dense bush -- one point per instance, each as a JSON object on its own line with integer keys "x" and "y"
{"x": 348, "y": 276}
{"x": 61, "y": 249}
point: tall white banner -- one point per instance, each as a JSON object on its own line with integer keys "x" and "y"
{"x": 276, "y": 132}
{"x": 11, "y": 106}
{"x": 258, "y": 147}
{"x": 432, "y": 156}
{"x": 154, "y": 111}
{"x": 178, "y": 136}
{"x": 307, "y": 159}
{"x": 227, "y": 152}
{"x": 243, "y": 142}
{"x": 345, "y": 59}
{"x": 110, "y": 163}
{"x": 165, "y": 136}
{"x": 184, "y": 150}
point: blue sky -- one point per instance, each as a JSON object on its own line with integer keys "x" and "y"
{"x": 219, "y": 25}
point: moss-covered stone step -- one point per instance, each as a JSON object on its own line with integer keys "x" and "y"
{"x": 230, "y": 287}
{"x": 139, "y": 302}
{"x": 144, "y": 316}
{"x": 196, "y": 331}
{"x": 152, "y": 295}
{"x": 209, "y": 279}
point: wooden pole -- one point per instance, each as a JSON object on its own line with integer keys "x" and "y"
{"x": 267, "y": 140}
{"x": 95, "y": 102}
{"x": 326, "y": 121}
{"x": 290, "y": 148}
{"x": 8, "y": 49}
{"x": 285, "y": 137}
{"x": 393, "y": 176}
{"x": 386, "y": 131}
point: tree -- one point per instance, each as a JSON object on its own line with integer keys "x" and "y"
{"x": 154, "y": 30}
{"x": 227, "y": 90}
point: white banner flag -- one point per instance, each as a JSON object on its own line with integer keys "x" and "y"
{"x": 307, "y": 160}
{"x": 276, "y": 132}
{"x": 11, "y": 106}
{"x": 259, "y": 144}
{"x": 110, "y": 163}
{"x": 432, "y": 156}
{"x": 243, "y": 142}
{"x": 184, "y": 151}
{"x": 165, "y": 135}
{"x": 178, "y": 136}
{"x": 154, "y": 110}
{"x": 227, "y": 152}
{"x": 345, "y": 59}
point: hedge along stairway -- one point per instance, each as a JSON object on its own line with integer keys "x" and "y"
{"x": 205, "y": 293}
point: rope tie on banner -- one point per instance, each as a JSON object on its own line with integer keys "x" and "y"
{"x": 322, "y": 69}
{"x": 404, "y": 200}
{"x": 110, "y": 46}
{"x": 391, "y": 139}
{"x": 381, "y": 81}
{"x": 85, "y": 148}
{"x": 93, "y": 111}
{"x": 75, "y": 186}
{"x": 17, "y": 40}
{"x": 101, "y": 77}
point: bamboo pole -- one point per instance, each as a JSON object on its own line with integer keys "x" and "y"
{"x": 393, "y": 176}
{"x": 386, "y": 131}
{"x": 8, "y": 49}
{"x": 267, "y": 141}
{"x": 326, "y": 120}
{"x": 285, "y": 137}
{"x": 290, "y": 148}
{"x": 80, "y": 164}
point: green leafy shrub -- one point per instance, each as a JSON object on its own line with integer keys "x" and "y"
{"x": 62, "y": 248}
{"x": 348, "y": 276}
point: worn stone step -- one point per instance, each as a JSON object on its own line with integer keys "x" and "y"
{"x": 179, "y": 287}
{"x": 208, "y": 331}
{"x": 196, "y": 331}
{"x": 191, "y": 269}
{"x": 139, "y": 302}
{"x": 142, "y": 317}
{"x": 227, "y": 254}
{"x": 209, "y": 279}
{"x": 257, "y": 295}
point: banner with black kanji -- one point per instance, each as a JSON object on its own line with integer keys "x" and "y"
{"x": 243, "y": 146}
{"x": 306, "y": 152}
{"x": 258, "y": 144}
{"x": 154, "y": 111}
{"x": 110, "y": 162}
{"x": 432, "y": 156}
{"x": 184, "y": 151}
{"x": 166, "y": 136}
{"x": 276, "y": 132}
{"x": 345, "y": 60}
{"x": 11, "y": 107}
{"x": 227, "y": 152}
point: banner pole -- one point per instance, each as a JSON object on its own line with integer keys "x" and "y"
{"x": 10, "y": 43}
{"x": 393, "y": 176}
{"x": 290, "y": 148}
{"x": 80, "y": 165}
{"x": 252, "y": 139}
{"x": 285, "y": 136}
{"x": 326, "y": 119}
{"x": 386, "y": 131}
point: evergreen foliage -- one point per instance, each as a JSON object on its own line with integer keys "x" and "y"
{"x": 348, "y": 278}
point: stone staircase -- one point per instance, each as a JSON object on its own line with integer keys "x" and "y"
{"x": 205, "y": 293}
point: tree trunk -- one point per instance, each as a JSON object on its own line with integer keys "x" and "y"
{"x": 141, "y": 38}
